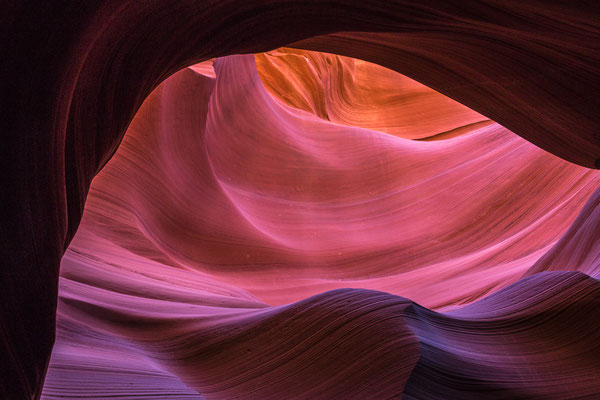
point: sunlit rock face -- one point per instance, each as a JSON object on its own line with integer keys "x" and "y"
{"x": 302, "y": 225}
{"x": 353, "y": 92}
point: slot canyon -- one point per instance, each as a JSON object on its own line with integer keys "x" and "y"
{"x": 296, "y": 199}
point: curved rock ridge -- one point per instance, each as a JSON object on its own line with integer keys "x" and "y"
{"x": 217, "y": 176}
{"x": 74, "y": 74}
{"x": 536, "y": 339}
{"x": 434, "y": 59}
{"x": 218, "y": 245}
{"x": 353, "y": 92}
{"x": 540, "y": 341}
{"x": 579, "y": 248}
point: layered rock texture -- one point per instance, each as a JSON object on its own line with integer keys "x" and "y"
{"x": 191, "y": 211}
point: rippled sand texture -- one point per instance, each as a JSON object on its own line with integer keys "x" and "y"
{"x": 240, "y": 241}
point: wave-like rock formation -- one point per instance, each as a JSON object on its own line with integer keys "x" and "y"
{"x": 294, "y": 224}
{"x": 354, "y": 92}
{"x": 218, "y": 245}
